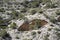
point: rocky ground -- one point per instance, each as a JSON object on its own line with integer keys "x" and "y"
{"x": 35, "y": 20}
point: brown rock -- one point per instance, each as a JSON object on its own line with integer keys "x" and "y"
{"x": 24, "y": 27}
{"x": 43, "y": 22}
{"x": 39, "y": 22}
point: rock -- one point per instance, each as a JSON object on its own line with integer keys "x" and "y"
{"x": 39, "y": 22}
{"x": 43, "y": 22}
{"x": 24, "y": 27}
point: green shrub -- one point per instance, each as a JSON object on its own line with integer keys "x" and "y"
{"x": 21, "y": 16}
{"x": 14, "y": 14}
{"x": 50, "y": 5}
{"x": 33, "y": 33}
{"x": 57, "y": 29}
{"x": 2, "y": 10}
{"x": 2, "y": 33}
{"x": 1, "y": 21}
{"x": 58, "y": 34}
{"x": 52, "y": 19}
{"x": 45, "y": 1}
{"x": 33, "y": 4}
{"x": 33, "y": 12}
{"x": 13, "y": 25}
{"x": 46, "y": 37}
{"x": 17, "y": 37}
{"x": 49, "y": 29}
{"x": 3, "y": 27}
{"x": 58, "y": 12}
{"x": 23, "y": 10}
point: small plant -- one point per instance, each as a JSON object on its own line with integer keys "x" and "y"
{"x": 58, "y": 12}
{"x": 57, "y": 29}
{"x": 50, "y": 5}
{"x": 2, "y": 33}
{"x": 49, "y": 29}
{"x": 33, "y": 4}
{"x": 45, "y": 1}
{"x": 46, "y": 37}
{"x": 15, "y": 14}
{"x": 21, "y": 16}
{"x": 25, "y": 39}
{"x": 52, "y": 19}
{"x": 13, "y": 26}
{"x": 40, "y": 11}
{"x": 33, "y": 12}
{"x": 58, "y": 34}
{"x": 23, "y": 10}
{"x": 34, "y": 33}
{"x": 2, "y": 10}
{"x": 17, "y": 37}
{"x": 3, "y": 27}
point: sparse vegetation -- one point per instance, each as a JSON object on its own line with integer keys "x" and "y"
{"x": 29, "y": 19}
{"x": 57, "y": 29}
{"x": 49, "y": 29}
{"x": 13, "y": 26}
{"x": 33, "y": 33}
{"x": 23, "y": 10}
{"x": 2, "y": 10}
{"x": 3, "y": 27}
{"x": 50, "y": 5}
{"x": 33, "y": 12}
{"x": 2, "y": 33}
{"x": 58, "y": 12}
{"x": 17, "y": 37}
{"x": 46, "y": 38}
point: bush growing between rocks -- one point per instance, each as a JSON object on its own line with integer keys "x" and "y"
{"x": 40, "y": 11}
{"x": 33, "y": 12}
{"x": 2, "y": 10}
{"x": 34, "y": 4}
{"x": 23, "y": 10}
{"x": 14, "y": 14}
{"x": 17, "y": 37}
{"x": 45, "y": 1}
{"x": 31, "y": 4}
{"x": 3, "y": 27}
{"x": 34, "y": 33}
{"x": 13, "y": 26}
{"x": 46, "y": 37}
{"x": 21, "y": 16}
{"x": 58, "y": 12}
{"x": 2, "y": 33}
{"x": 50, "y": 5}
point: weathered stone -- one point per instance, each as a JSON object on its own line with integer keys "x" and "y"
{"x": 24, "y": 27}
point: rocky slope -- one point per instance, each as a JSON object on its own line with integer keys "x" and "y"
{"x": 32, "y": 20}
